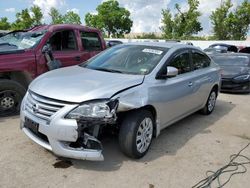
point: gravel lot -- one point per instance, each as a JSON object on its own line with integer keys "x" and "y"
{"x": 179, "y": 157}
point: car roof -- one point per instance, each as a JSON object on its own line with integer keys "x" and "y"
{"x": 169, "y": 45}
{"x": 221, "y": 44}
{"x": 231, "y": 54}
{"x": 61, "y": 27}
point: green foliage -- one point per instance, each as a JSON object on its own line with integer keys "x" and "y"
{"x": 148, "y": 36}
{"x": 110, "y": 18}
{"x": 4, "y": 24}
{"x": 27, "y": 19}
{"x": 218, "y": 19}
{"x": 56, "y": 17}
{"x": 23, "y": 21}
{"x": 183, "y": 24}
{"x": 37, "y": 15}
{"x": 71, "y": 18}
{"x": 231, "y": 25}
{"x": 168, "y": 24}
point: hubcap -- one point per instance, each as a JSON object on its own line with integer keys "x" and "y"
{"x": 211, "y": 101}
{"x": 144, "y": 135}
{"x": 7, "y": 102}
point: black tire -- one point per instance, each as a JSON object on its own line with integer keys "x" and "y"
{"x": 11, "y": 95}
{"x": 129, "y": 130}
{"x": 207, "y": 109}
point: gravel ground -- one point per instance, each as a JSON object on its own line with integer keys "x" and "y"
{"x": 179, "y": 157}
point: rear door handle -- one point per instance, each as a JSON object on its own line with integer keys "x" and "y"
{"x": 78, "y": 58}
{"x": 190, "y": 84}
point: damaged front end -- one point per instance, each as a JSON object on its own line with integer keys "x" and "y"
{"x": 91, "y": 118}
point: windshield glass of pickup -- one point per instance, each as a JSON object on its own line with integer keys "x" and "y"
{"x": 20, "y": 40}
{"x": 127, "y": 59}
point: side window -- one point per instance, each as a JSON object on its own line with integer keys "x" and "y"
{"x": 200, "y": 60}
{"x": 63, "y": 41}
{"x": 91, "y": 41}
{"x": 181, "y": 62}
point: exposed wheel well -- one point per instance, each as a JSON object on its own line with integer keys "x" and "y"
{"x": 151, "y": 109}
{"x": 216, "y": 88}
{"x": 22, "y": 78}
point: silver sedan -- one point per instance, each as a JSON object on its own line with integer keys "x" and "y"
{"x": 137, "y": 89}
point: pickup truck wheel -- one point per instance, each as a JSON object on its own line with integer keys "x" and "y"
{"x": 11, "y": 94}
{"x": 136, "y": 133}
{"x": 209, "y": 107}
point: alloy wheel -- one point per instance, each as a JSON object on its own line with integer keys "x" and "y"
{"x": 144, "y": 135}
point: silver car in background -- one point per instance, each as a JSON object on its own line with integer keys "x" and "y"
{"x": 137, "y": 89}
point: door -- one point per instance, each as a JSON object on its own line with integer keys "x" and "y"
{"x": 65, "y": 48}
{"x": 203, "y": 80}
{"x": 174, "y": 94}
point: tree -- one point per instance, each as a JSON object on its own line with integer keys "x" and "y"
{"x": 37, "y": 15}
{"x": 4, "y": 24}
{"x": 71, "y": 18}
{"x": 239, "y": 21}
{"x": 110, "y": 18}
{"x": 183, "y": 24}
{"x": 56, "y": 17}
{"x": 168, "y": 26}
{"x": 231, "y": 25}
{"x": 28, "y": 18}
{"x": 23, "y": 21}
{"x": 149, "y": 35}
{"x": 218, "y": 19}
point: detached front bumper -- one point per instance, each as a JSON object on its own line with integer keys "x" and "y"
{"x": 57, "y": 134}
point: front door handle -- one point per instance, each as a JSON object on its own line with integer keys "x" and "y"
{"x": 190, "y": 84}
{"x": 78, "y": 58}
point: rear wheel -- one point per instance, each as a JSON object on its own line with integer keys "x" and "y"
{"x": 211, "y": 101}
{"x": 136, "y": 133}
{"x": 11, "y": 94}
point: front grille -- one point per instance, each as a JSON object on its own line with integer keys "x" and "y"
{"x": 42, "y": 107}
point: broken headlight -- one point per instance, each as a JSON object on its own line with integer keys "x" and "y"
{"x": 102, "y": 109}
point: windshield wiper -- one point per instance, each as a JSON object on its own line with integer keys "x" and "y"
{"x": 107, "y": 70}
{"x": 6, "y": 43}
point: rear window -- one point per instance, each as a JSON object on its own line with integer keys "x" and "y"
{"x": 91, "y": 41}
{"x": 231, "y": 60}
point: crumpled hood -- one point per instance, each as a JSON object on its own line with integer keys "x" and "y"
{"x": 230, "y": 72}
{"x": 77, "y": 84}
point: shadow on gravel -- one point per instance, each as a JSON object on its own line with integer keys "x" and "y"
{"x": 169, "y": 142}
{"x": 3, "y": 119}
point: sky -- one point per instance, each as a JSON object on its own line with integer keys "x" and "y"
{"x": 146, "y": 14}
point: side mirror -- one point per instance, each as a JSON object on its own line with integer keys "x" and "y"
{"x": 169, "y": 72}
{"x": 172, "y": 71}
{"x": 46, "y": 49}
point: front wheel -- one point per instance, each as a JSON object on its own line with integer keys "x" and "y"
{"x": 11, "y": 94}
{"x": 136, "y": 133}
{"x": 211, "y": 101}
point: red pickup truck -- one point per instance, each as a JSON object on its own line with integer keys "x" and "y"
{"x": 22, "y": 57}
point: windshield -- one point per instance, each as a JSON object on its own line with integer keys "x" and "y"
{"x": 21, "y": 40}
{"x": 128, "y": 59}
{"x": 242, "y": 61}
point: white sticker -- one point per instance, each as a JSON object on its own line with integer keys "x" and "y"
{"x": 144, "y": 70}
{"x": 28, "y": 42}
{"x": 152, "y": 51}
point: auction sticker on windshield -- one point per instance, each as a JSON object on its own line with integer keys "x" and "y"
{"x": 152, "y": 51}
{"x": 28, "y": 42}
